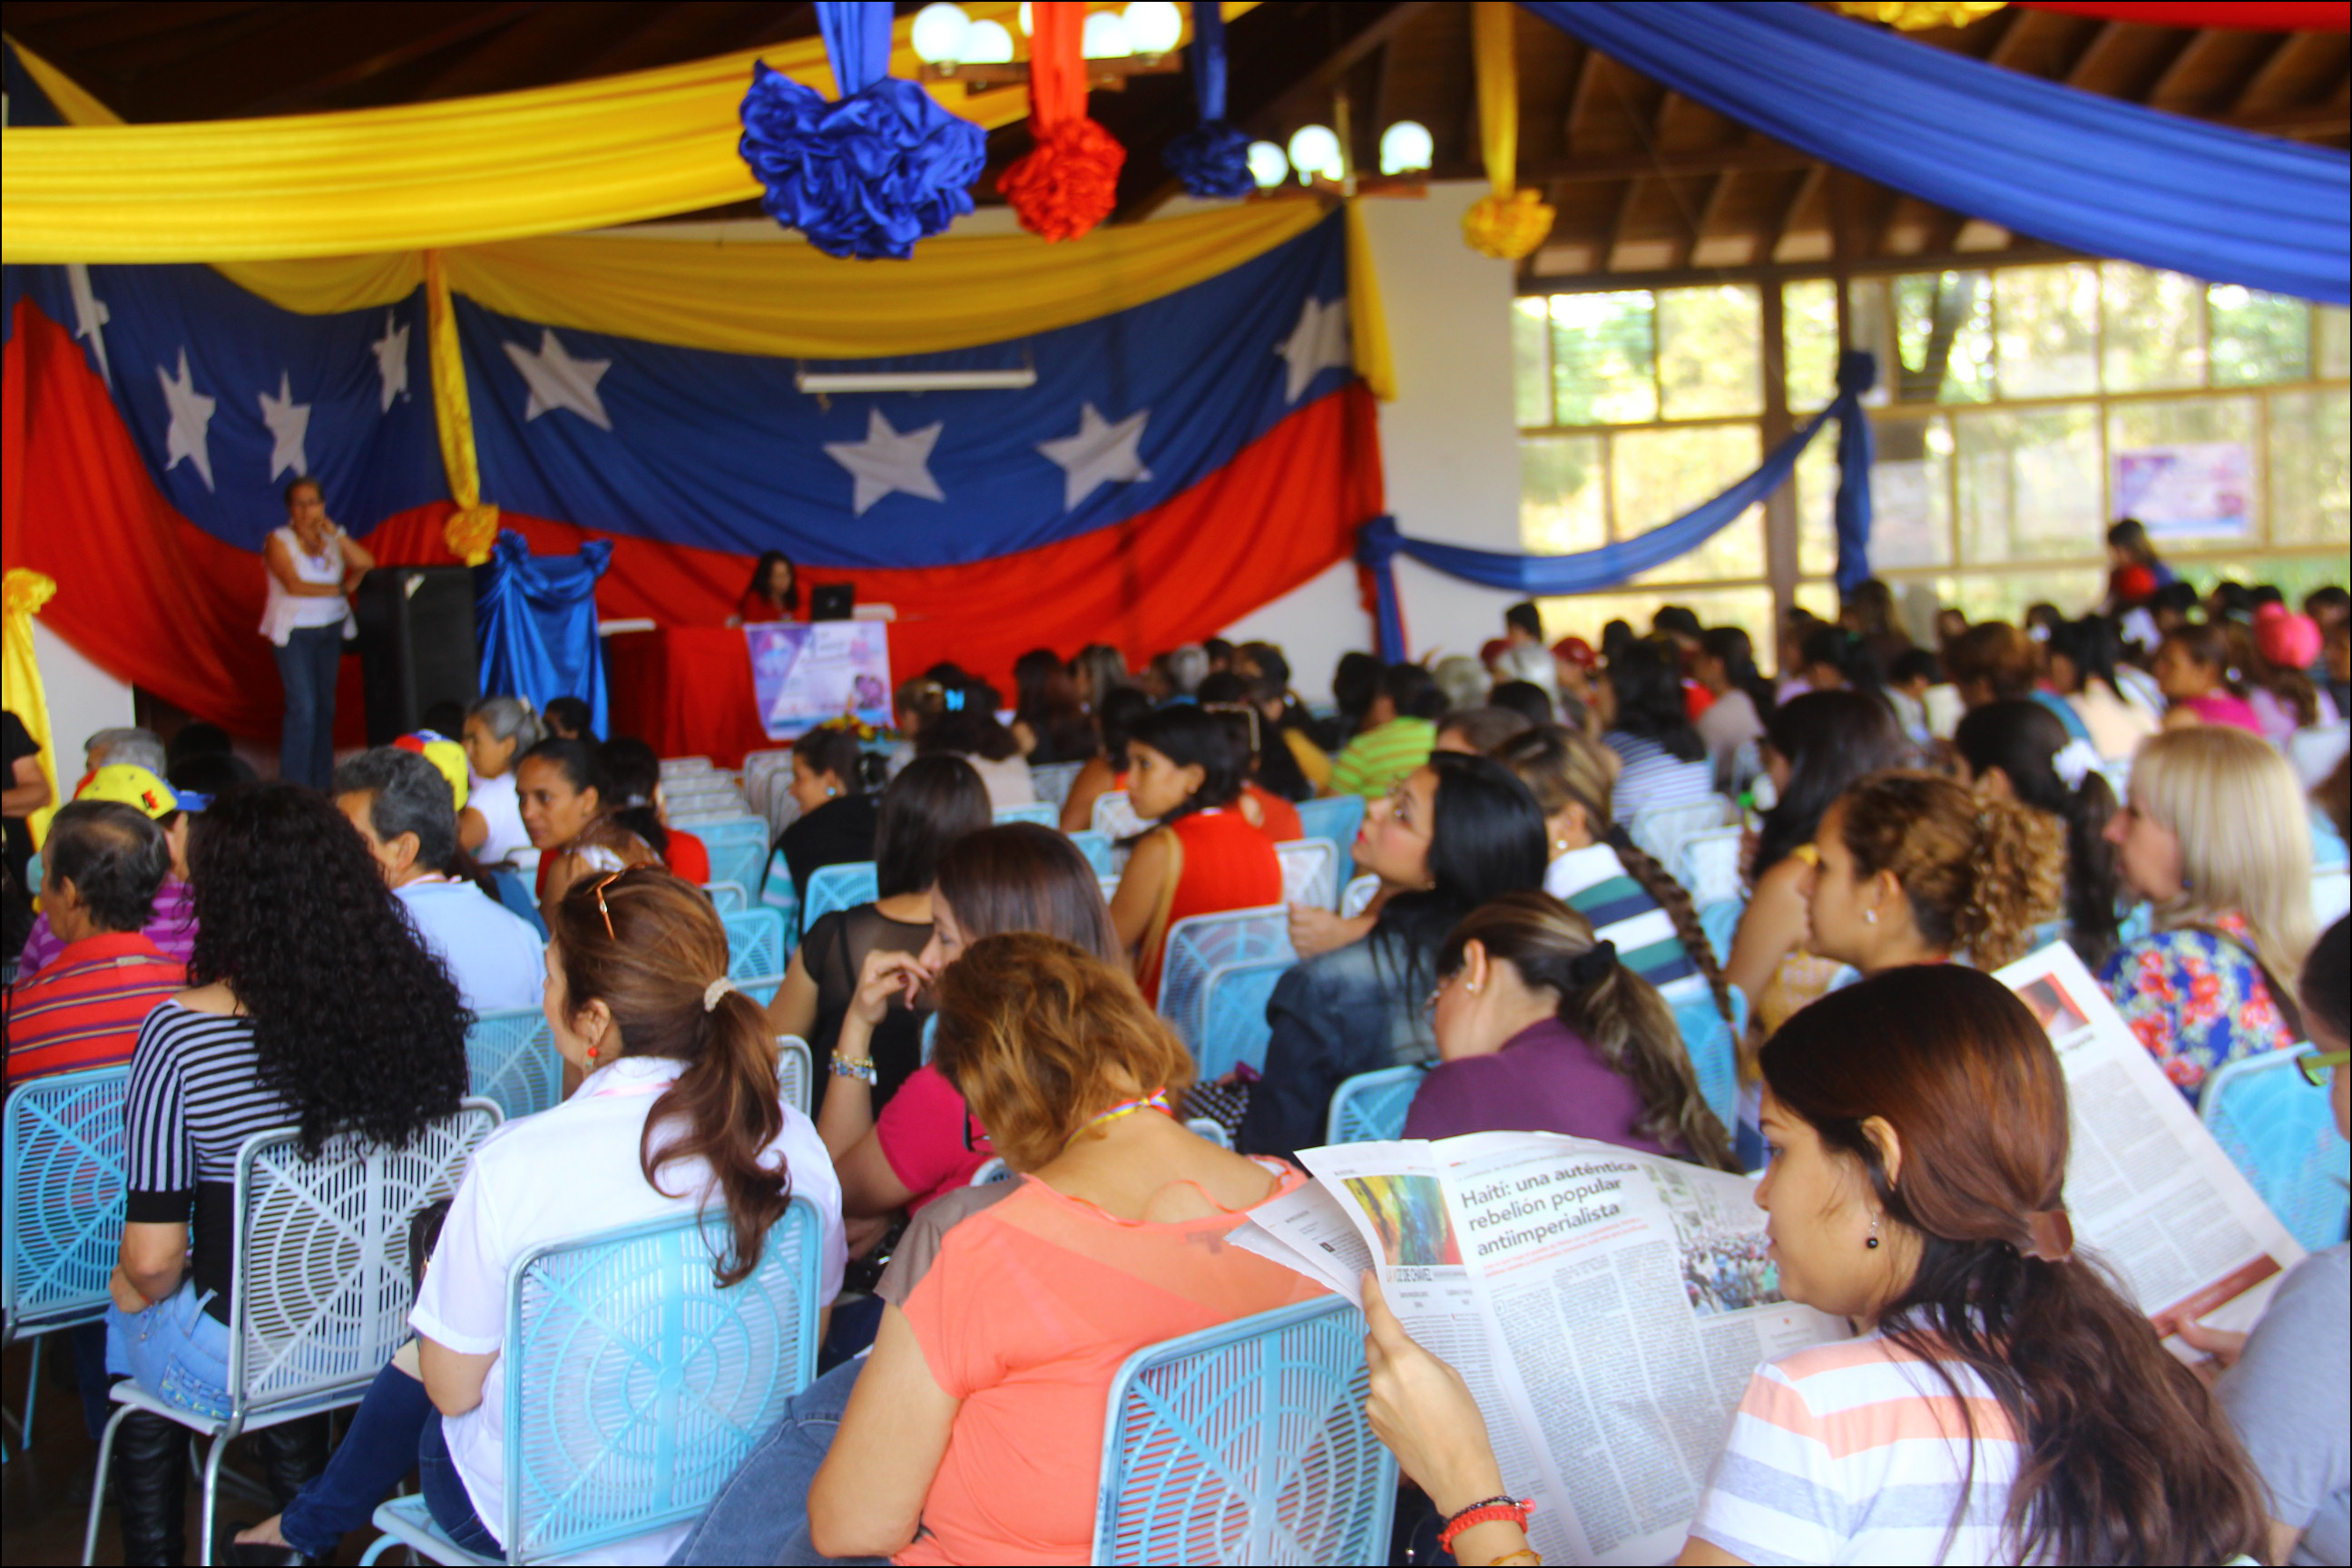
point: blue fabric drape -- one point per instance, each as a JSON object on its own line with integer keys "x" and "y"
{"x": 2101, "y": 176}
{"x": 856, "y": 42}
{"x": 1378, "y": 542}
{"x": 1212, "y": 158}
{"x": 536, "y": 618}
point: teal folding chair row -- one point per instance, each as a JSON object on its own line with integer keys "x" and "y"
{"x": 1096, "y": 847}
{"x": 1708, "y": 866}
{"x": 512, "y": 1061}
{"x": 1233, "y": 1025}
{"x": 755, "y": 944}
{"x": 635, "y": 1386}
{"x": 793, "y": 1072}
{"x": 838, "y": 888}
{"x": 1664, "y": 830}
{"x": 1311, "y": 872}
{"x": 738, "y": 849}
{"x": 1246, "y": 1442}
{"x": 1202, "y": 945}
{"x": 1052, "y": 782}
{"x": 1337, "y": 819}
{"x": 61, "y": 1186}
{"x": 1043, "y": 813}
{"x": 1371, "y": 1107}
{"x": 727, "y": 898}
{"x": 2279, "y": 1131}
{"x": 1711, "y": 1041}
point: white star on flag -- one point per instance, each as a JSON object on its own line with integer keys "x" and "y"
{"x": 887, "y": 460}
{"x": 392, "y": 362}
{"x": 559, "y": 381}
{"x": 1317, "y": 343}
{"x": 91, "y": 315}
{"x": 192, "y": 419}
{"x": 290, "y": 424}
{"x": 1100, "y": 454}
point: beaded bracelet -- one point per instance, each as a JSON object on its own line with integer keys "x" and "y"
{"x": 1486, "y": 1510}
{"x": 859, "y": 1067}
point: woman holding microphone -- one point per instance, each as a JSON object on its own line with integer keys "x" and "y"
{"x": 312, "y": 564}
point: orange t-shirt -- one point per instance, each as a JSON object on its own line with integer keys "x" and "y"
{"x": 1277, "y": 818}
{"x": 1228, "y": 865}
{"x": 1034, "y": 1304}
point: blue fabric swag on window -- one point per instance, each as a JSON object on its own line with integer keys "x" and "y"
{"x": 1379, "y": 543}
{"x": 536, "y": 618}
{"x": 2038, "y": 157}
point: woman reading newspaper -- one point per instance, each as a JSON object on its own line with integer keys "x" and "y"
{"x": 1919, "y": 1129}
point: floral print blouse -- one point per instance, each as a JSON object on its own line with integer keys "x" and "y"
{"x": 2196, "y": 999}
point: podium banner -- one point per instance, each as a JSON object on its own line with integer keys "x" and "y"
{"x": 804, "y": 675}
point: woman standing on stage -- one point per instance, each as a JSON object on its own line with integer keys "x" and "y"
{"x": 775, "y": 594}
{"x": 313, "y": 563}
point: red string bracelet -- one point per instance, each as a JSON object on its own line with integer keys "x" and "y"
{"x": 1488, "y": 1511}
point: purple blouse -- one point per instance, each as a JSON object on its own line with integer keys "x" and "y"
{"x": 1546, "y": 1079}
{"x": 173, "y": 928}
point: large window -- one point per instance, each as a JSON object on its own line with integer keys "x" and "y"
{"x": 2019, "y": 409}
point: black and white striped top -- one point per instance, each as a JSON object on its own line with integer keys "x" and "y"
{"x": 195, "y": 1096}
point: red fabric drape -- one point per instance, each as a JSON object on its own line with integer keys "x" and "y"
{"x": 2250, "y": 16}
{"x": 1069, "y": 182}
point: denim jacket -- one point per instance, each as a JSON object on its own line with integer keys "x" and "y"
{"x": 1354, "y": 1009}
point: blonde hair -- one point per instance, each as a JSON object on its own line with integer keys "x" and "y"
{"x": 2232, "y": 802}
{"x": 1039, "y": 1036}
{"x": 1979, "y": 874}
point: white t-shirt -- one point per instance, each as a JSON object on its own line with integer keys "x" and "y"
{"x": 501, "y": 809}
{"x": 285, "y": 612}
{"x": 493, "y": 954}
{"x": 565, "y": 1172}
{"x": 1008, "y": 782}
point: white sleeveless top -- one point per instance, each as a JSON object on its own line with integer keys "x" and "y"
{"x": 285, "y": 612}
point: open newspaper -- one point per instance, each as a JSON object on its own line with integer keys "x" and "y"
{"x": 1607, "y": 1308}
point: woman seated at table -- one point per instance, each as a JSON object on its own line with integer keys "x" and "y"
{"x": 1542, "y": 1028}
{"x": 568, "y": 807}
{"x": 975, "y": 1432}
{"x": 931, "y": 805}
{"x": 774, "y": 594}
{"x": 1202, "y": 856}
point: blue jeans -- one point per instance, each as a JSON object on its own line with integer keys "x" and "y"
{"x": 761, "y": 1515}
{"x": 307, "y": 667}
{"x": 386, "y": 1432}
{"x": 445, "y": 1495}
{"x": 174, "y": 1350}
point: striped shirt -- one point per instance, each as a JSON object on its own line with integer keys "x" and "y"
{"x": 1856, "y": 1452}
{"x": 1652, "y": 776}
{"x": 195, "y": 1095}
{"x": 84, "y": 1008}
{"x": 1594, "y": 882}
{"x": 1373, "y": 762}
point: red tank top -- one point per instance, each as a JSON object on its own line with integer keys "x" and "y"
{"x": 1228, "y": 865}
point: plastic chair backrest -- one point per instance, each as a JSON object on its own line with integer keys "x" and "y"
{"x": 727, "y": 898}
{"x": 1109, "y": 886}
{"x": 2327, "y": 851}
{"x": 1203, "y": 943}
{"x": 1311, "y": 872}
{"x": 1233, "y": 1028}
{"x": 738, "y": 849}
{"x": 1335, "y": 819}
{"x": 793, "y": 1072}
{"x": 1045, "y": 813}
{"x": 320, "y": 1295}
{"x": 1369, "y": 1108}
{"x": 759, "y": 771}
{"x": 512, "y": 1061}
{"x": 2280, "y": 1132}
{"x": 1721, "y": 921}
{"x": 1711, "y": 1043}
{"x": 514, "y": 892}
{"x": 990, "y": 1172}
{"x": 1114, "y": 818}
{"x": 755, "y": 943}
{"x": 2331, "y": 895}
{"x": 1708, "y": 868}
{"x": 843, "y": 886}
{"x": 684, "y": 767}
{"x": 635, "y": 1385}
{"x": 61, "y": 1210}
{"x": 1247, "y": 1443}
{"x": 1053, "y": 782}
{"x": 1663, "y": 829}
{"x": 1360, "y": 895}
{"x": 1209, "y": 1129}
{"x": 1096, "y": 847}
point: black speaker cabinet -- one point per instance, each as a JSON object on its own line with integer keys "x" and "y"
{"x": 416, "y": 645}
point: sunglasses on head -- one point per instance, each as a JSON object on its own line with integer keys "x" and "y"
{"x": 602, "y": 908}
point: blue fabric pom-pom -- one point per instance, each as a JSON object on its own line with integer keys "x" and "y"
{"x": 866, "y": 176}
{"x": 1211, "y": 160}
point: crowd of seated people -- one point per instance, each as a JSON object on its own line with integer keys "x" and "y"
{"x": 1914, "y": 817}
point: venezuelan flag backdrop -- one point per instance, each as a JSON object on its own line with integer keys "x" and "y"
{"x": 1196, "y": 441}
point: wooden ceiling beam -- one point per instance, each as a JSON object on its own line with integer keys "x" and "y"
{"x": 310, "y": 89}
{"x": 1579, "y": 94}
{"x": 2095, "y": 54}
{"x": 2276, "y": 64}
{"x": 2018, "y": 26}
{"x": 2164, "y": 92}
{"x": 1617, "y": 221}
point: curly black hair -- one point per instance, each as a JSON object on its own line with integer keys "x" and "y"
{"x": 356, "y": 1025}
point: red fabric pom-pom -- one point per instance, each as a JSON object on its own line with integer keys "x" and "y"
{"x": 1068, "y": 182}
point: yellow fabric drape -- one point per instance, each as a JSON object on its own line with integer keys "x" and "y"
{"x": 1509, "y": 223}
{"x": 473, "y": 528}
{"x": 469, "y": 171}
{"x": 22, "y": 595}
{"x": 1368, "y": 321}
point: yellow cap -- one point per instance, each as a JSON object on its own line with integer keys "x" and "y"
{"x": 444, "y": 755}
{"x": 131, "y": 785}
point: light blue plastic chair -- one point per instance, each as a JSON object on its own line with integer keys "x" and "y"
{"x": 1096, "y": 847}
{"x": 1335, "y": 819}
{"x": 1203, "y": 943}
{"x": 1711, "y": 1043}
{"x": 2331, "y": 895}
{"x": 838, "y": 887}
{"x": 1708, "y": 865}
{"x": 727, "y": 897}
{"x": 793, "y": 1072}
{"x": 738, "y": 849}
{"x": 512, "y": 1061}
{"x": 1052, "y": 782}
{"x": 1371, "y": 1107}
{"x": 1043, "y": 814}
{"x": 755, "y": 944}
{"x": 635, "y": 1385}
{"x": 2279, "y": 1131}
{"x": 61, "y": 1186}
{"x": 1721, "y": 921}
{"x": 1233, "y": 1027}
{"x": 1247, "y": 1443}
{"x": 514, "y": 892}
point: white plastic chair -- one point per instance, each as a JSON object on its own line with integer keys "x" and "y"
{"x": 1311, "y": 872}
{"x": 61, "y": 1197}
{"x": 2331, "y": 895}
{"x": 1663, "y": 830}
{"x": 1359, "y": 895}
{"x": 684, "y": 767}
{"x": 1708, "y": 867}
{"x": 793, "y": 1071}
{"x": 1053, "y": 782}
{"x": 320, "y": 1295}
{"x": 1114, "y": 818}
